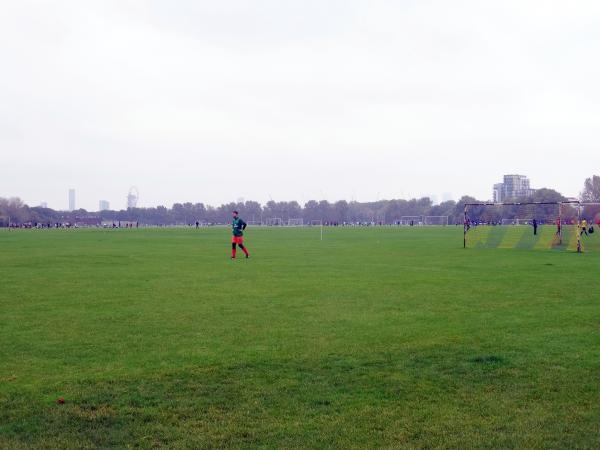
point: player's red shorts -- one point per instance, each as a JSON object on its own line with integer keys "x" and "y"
{"x": 237, "y": 239}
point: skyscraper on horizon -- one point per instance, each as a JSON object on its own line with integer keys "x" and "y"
{"x": 133, "y": 197}
{"x": 513, "y": 187}
{"x": 71, "y": 199}
{"x": 103, "y": 205}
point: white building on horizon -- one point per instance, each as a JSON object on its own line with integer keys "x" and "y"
{"x": 103, "y": 205}
{"x": 71, "y": 199}
{"x": 513, "y": 187}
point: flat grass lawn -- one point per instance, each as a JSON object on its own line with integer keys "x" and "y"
{"x": 371, "y": 338}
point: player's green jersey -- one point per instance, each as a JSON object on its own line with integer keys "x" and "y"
{"x": 238, "y": 226}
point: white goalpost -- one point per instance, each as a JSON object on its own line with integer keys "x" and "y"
{"x": 273, "y": 222}
{"x": 295, "y": 222}
{"x": 436, "y": 220}
{"x": 411, "y": 220}
{"x": 317, "y": 223}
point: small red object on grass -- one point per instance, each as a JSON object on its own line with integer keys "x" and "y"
{"x": 60, "y": 400}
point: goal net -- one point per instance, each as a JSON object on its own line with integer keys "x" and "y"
{"x": 295, "y": 222}
{"x": 274, "y": 222}
{"x": 411, "y": 220}
{"x": 436, "y": 220}
{"x": 534, "y": 225}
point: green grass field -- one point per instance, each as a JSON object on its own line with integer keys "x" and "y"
{"x": 372, "y": 338}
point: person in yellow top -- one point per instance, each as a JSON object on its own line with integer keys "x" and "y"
{"x": 584, "y": 225}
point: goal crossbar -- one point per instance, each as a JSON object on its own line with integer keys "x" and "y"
{"x": 566, "y": 202}
{"x": 430, "y": 220}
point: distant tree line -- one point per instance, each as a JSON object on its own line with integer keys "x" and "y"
{"x": 383, "y": 211}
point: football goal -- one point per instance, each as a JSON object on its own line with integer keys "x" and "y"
{"x": 411, "y": 220}
{"x": 525, "y": 225}
{"x": 273, "y": 222}
{"x": 436, "y": 220}
{"x": 295, "y": 222}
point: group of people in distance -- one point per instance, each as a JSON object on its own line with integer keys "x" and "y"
{"x": 581, "y": 225}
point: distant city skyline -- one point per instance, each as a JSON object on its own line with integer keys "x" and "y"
{"x": 73, "y": 201}
{"x": 510, "y": 189}
{"x": 132, "y": 202}
{"x": 88, "y": 200}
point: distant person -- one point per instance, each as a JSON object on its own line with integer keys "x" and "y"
{"x": 237, "y": 227}
{"x": 197, "y": 224}
{"x": 584, "y": 226}
{"x": 535, "y": 226}
{"x": 558, "y": 226}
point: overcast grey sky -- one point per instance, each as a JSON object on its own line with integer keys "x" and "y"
{"x": 212, "y": 101}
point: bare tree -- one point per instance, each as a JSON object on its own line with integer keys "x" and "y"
{"x": 13, "y": 210}
{"x": 591, "y": 189}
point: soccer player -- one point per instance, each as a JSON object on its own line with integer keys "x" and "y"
{"x": 535, "y": 227}
{"x": 584, "y": 225}
{"x": 237, "y": 227}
